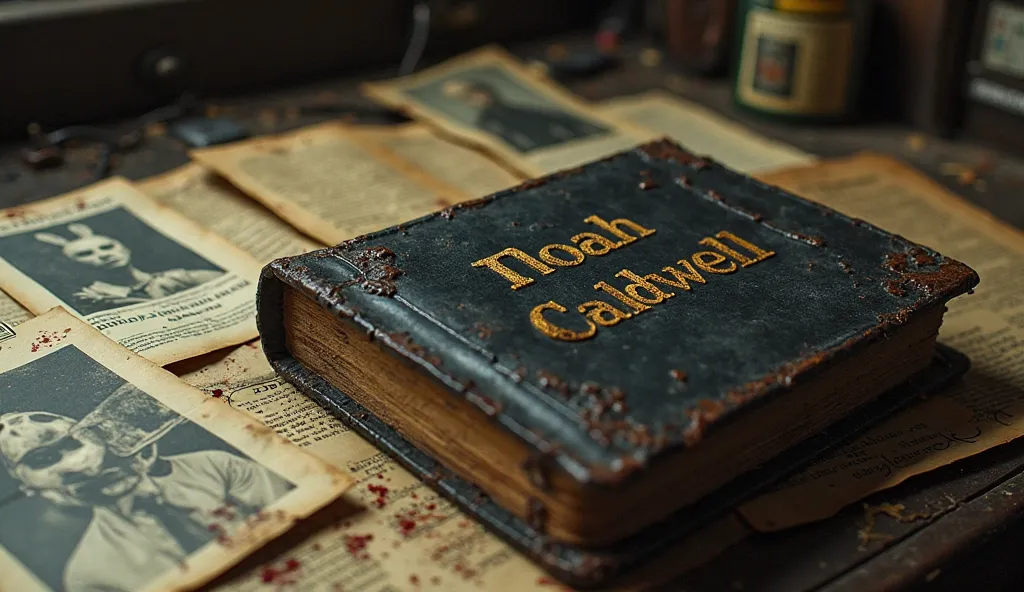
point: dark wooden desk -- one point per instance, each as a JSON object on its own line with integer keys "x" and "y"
{"x": 975, "y": 534}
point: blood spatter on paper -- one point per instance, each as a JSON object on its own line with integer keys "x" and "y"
{"x": 47, "y": 339}
{"x": 287, "y": 573}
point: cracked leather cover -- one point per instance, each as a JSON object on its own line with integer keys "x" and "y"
{"x": 833, "y": 286}
{"x": 678, "y": 370}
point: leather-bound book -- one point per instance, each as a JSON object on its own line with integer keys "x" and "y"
{"x": 598, "y": 349}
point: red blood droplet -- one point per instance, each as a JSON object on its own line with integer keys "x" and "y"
{"x": 268, "y": 575}
{"x": 355, "y": 543}
{"x": 218, "y": 392}
{"x": 407, "y": 526}
{"x": 382, "y": 494}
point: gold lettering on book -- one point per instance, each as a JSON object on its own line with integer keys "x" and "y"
{"x": 593, "y": 243}
{"x": 654, "y": 293}
{"x": 518, "y": 281}
{"x": 554, "y": 331}
{"x": 759, "y": 254}
{"x": 615, "y": 227}
{"x": 642, "y": 293}
{"x": 576, "y": 254}
{"x": 638, "y": 307}
{"x": 590, "y": 243}
{"x": 602, "y": 313}
{"x": 639, "y": 295}
{"x": 680, "y": 277}
{"x": 707, "y": 260}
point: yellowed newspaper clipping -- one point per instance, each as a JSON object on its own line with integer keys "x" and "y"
{"x": 704, "y": 132}
{"x": 12, "y": 313}
{"x": 986, "y": 409}
{"x": 213, "y": 203}
{"x": 328, "y": 183}
{"x": 143, "y": 275}
{"x": 468, "y": 170}
{"x": 490, "y": 100}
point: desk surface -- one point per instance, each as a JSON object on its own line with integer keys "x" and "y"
{"x": 976, "y": 504}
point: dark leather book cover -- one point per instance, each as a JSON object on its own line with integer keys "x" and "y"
{"x": 620, "y": 312}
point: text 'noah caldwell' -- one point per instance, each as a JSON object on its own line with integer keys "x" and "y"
{"x": 643, "y": 291}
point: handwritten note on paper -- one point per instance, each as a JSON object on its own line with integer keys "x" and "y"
{"x": 986, "y": 409}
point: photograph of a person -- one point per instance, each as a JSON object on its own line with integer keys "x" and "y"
{"x": 106, "y": 261}
{"x": 102, "y": 487}
{"x": 494, "y": 101}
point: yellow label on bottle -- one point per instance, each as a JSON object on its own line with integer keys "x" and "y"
{"x": 795, "y": 64}
{"x": 818, "y": 6}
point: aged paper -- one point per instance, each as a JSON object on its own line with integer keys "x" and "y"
{"x": 466, "y": 169}
{"x": 11, "y": 315}
{"x": 400, "y": 535}
{"x": 215, "y": 204}
{"x": 403, "y": 535}
{"x": 987, "y": 409}
{"x": 11, "y": 312}
{"x": 327, "y": 183}
{"x": 120, "y": 477}
{"x": 704, "y": 132}
{"x": 489, "y": 99}
{"x": 145, "y": 276}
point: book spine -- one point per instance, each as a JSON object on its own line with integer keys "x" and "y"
{"x": 330, "y": 281}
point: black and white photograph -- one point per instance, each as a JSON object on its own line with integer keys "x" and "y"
{"x": 6, "y": 331}
{"x": 106, "y": 261}
{"x": 104, "y": 488}
{"x": 496, "y": 102}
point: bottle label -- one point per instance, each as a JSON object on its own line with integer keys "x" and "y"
{"x": 795, "y": 64}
